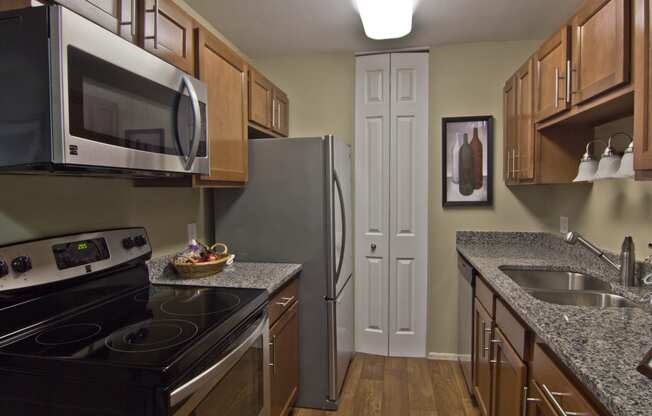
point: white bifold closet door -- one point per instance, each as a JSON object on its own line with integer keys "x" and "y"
{"x": 391, "y": 179}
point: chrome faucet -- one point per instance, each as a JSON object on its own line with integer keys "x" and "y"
{"x": 627, "y": 266}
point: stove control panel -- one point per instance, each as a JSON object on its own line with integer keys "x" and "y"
{"x": 51, "y": 260}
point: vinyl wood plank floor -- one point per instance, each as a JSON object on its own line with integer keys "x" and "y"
{"x": 385, "y": 386}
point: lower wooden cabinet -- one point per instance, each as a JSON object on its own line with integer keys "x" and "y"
{"x": 284, "y": 354}
{"x": 483, "y": 328}
{"x": 508, "y": 379}
{"x": 512, "y": 374}
{"x": 556, "y": 389}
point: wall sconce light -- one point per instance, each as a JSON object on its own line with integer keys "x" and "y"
{"x": 588, "y": 165}
{"x": 611, "y": 164}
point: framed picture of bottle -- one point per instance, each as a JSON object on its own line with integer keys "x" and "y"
{"x": 467, "y": 161}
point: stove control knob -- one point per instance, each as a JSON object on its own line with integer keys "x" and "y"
{"x": 21, "y": 264}
{"x": 128, "y": 243}
{"x": 140, "y": 241}
{"x": 4, "y": 268}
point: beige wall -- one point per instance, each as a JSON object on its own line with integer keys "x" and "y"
{"x": 40, "y": 206}
{"x": 466, "y": 80}
{"x": 320, "y": 88}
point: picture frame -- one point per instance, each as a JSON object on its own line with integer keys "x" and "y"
{"x": 467, "y": 161}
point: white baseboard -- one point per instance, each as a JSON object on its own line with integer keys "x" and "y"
{"x": 442, "y": 356}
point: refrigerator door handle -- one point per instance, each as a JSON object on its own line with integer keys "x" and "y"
{"x": 338, "y": 186}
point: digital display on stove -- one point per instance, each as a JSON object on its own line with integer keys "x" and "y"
{"x": 80, "y": 253}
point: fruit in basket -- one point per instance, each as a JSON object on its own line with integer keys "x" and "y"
{"x": 198, "y": 253}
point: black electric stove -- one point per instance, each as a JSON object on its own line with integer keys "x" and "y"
{"x": 110, "y": 326}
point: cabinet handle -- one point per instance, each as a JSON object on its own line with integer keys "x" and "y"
{"x": 557, "y": 87}
{"x": 155, "y": 36}
{"x": 131, "y": 22}
{"x": 553, "y": 398}
{"x": 273, "y": 360}
{"x": 568, "y": 81}
{"x": 484, "y": 329}
{"x": 286, "y": 301}
{"x": 527, "y": 400}
{"x": 509, "y": 162}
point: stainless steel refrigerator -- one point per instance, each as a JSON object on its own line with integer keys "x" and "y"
{"x": 297, "y": 208}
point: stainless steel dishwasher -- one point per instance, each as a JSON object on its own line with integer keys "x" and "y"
{"x": 465, "y": 293}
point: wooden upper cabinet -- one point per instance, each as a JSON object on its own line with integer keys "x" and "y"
{"x": 118, "y": 16}
{"x": 643, "y": 105}
{"x": 525, "y": 131}
{"x": 168, "y": 33}
{"x": 280, "y": 113}
{"x": 225, "y": 74}
{"x": 509, "y": 131}
{"x": 261, "y": 97}
{"x": 509, "y": 378}
{"x": 551, "y": 85}
{"x": 601, "y": 48}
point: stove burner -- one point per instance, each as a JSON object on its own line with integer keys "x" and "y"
{"x": 67, "y": 334}
{"x": 204, "y": 302}
{"x": 153, "y": 335}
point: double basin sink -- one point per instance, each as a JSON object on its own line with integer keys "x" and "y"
{"x": 567, "y": 288}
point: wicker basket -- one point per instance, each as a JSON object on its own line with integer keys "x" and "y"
{"x": 199, "y": 270}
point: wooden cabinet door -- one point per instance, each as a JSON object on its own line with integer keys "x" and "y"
{"x": 168, "y": 33}
{"x": 482, "y": 355}
{"x": 643, "y": 95}
{"x": 551, "y": 85}
{"x": 284, "y": 344}
{"x": 280, "y": 113}
{"x": 509, "y": 131}
{"x": 225, "y": 74}
{"x": 261, "y": 93}
{"x": 525, "y": 131}
{"x": 509, "y": 378}
{"x": 601, "y": 48}
{"x": 118, "y": 16}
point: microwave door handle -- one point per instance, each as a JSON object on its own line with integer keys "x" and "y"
{"x": 196, "y": 116}
{"x": 338, "y": 186}
{"x": 204, "y": 382}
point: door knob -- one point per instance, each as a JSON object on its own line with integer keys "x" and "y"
{"x": 373, "y": 246}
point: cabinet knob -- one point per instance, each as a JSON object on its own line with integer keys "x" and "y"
{"x": 373, "y": 246}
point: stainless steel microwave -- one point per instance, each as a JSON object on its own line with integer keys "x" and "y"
{"x": 77, "y": 98}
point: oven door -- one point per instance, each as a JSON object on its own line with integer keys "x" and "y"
{"x": 237, "y": 384}
{"x": 117, "y": 106}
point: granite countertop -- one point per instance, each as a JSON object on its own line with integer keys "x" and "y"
{"x": 269, "y": 276}
{"x": 602, "y": 347}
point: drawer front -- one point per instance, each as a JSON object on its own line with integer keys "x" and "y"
{"x": 283, "y": 300}
{"x": 557, "y": 389}
{"x": 511, "y": 327}
{"x": 486, "y": 296}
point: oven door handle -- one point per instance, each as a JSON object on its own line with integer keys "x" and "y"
{"x": 209, "y": 378}
{"x": 196, "y": 119}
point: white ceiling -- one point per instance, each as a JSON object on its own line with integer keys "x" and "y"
{"x": 285, "y": 27}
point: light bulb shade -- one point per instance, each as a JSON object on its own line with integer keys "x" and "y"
{"x": 608, "y": 167}
{"x": 586, "y": 171}
{"x": 386, "y": 19}
{"x": 626, "y": 169}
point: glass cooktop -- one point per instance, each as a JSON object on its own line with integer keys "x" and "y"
{"x": 150, "y": 327}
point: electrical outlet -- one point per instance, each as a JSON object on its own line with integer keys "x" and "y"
{"x": 563, "y": 225}
{"x": 192, "y": 233}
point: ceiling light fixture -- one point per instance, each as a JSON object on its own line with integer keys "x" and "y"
{"x": 386, "y": 19}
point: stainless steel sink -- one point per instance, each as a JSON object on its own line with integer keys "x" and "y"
{"x": 550, "y": 280}
{"x": 567, "y": 288}
{"x": 575, "y": 298}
